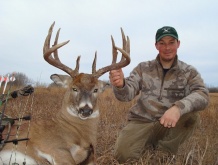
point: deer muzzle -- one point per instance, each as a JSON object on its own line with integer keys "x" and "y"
{"x": 85, "y": 111}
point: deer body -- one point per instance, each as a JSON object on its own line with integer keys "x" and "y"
{"x": 52, "y": 142}
{"x": 70, "y": 136}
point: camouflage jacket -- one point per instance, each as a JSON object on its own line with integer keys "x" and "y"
{"x": 182, "y": 85}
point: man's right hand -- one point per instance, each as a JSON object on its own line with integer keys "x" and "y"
{"x": 117, "y": 78}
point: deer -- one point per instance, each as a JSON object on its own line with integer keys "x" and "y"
{"x": 71, "y": 136}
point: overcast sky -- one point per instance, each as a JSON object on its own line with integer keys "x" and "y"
{"x": 88, "y": 24}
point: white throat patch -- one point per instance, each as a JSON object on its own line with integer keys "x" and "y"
{"x": 72, "y": 111}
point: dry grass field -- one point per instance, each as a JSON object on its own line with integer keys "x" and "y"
{"x": 201, "y": 149}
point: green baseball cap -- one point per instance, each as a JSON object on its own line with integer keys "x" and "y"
{"x": 166, "y": 31}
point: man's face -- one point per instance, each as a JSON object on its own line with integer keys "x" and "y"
{"x": 167, "y": 47}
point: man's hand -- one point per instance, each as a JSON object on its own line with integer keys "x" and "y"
{"x": 170, "y": 117}
{"x": 117, "y": 78}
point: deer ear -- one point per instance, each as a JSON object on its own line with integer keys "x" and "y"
{"x": 61, "y": 80}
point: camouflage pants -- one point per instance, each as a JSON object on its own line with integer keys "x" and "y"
{"x": 138, "y": 135}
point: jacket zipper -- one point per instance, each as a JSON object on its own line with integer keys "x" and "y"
{"x": 162, "y": 82}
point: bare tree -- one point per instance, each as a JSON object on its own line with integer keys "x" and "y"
{"x": 21, "y": 79}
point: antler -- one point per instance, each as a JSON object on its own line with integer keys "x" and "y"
{"x": 55, "y": 61}
{"x": 125, "y": 60}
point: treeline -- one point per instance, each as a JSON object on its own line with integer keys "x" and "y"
{"x": 22, "y": 80}
{"x": 213, "y": 89}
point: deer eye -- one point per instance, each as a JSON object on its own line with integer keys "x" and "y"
{"x": 74, "y": 89}
{"x": 96, "y": 90}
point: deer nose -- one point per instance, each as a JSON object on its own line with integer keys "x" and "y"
{"x": 86, "y": 111}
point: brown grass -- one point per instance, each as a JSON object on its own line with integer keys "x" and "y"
{"x": 201, "y": 148}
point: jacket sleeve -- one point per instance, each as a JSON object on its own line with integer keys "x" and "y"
{"x": 198, "y": 97}
{"x": 131, "y": 86}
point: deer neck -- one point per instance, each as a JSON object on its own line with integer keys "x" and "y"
{"x": 66, "y": 120}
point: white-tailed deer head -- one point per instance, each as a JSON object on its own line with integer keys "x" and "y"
{"x": 83, "y": 88}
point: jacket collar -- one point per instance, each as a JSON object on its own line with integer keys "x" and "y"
{"x": 174, "y": 65}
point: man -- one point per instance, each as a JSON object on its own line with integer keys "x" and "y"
{"x": 171, "y": 94}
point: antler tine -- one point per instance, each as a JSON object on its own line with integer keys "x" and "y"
{"x": 94, "y": 64}
{"x": 55, "y": 61}
{"x": 126, "y": 43}
{"x": 125, "y": 60}
{"x": 114, "y": 51}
